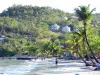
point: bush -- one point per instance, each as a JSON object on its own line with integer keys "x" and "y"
{"x": 6, "y": 52}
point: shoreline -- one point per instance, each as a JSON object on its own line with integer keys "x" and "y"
{"x": 48, "y": 67}
{"x": 64, "y": 67}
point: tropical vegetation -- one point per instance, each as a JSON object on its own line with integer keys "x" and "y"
{"x": 25, "y": 31}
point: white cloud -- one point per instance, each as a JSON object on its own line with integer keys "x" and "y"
{"x": 66, "y": 5}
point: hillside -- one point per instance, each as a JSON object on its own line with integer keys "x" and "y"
{"x": 35, "y": 14}
{"x": 26, "y": 29}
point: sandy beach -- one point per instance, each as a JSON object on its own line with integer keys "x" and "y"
{"x": 64, "y": 67}
{"x": 44, "y": 67}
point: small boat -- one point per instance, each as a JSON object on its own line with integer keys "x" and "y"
{"x": 24, "y": 58}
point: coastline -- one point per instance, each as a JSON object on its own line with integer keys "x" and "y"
{"x": 48, "y": 67}
{"x": 64, "y": 67}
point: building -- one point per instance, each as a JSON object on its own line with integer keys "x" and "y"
{"x": 66, "y": 29}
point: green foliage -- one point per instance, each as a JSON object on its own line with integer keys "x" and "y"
{"x": 84, "y": 13}
{"x": 6, "y": 52}
{"x": 27, "y": 33}
{"x": 35, "y": 14}
{"x": 31, "y": 50}
{"x": 52, "y": 48}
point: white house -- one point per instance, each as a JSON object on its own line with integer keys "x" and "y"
{"x": 54, "y": 27}
{"x": 66, "y": 29}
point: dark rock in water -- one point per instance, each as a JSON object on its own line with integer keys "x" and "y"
{"x": 88, "y": 64}
{"x": 22, "y": 58}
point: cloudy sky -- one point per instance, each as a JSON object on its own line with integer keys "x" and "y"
{"x": 65, "y": 5}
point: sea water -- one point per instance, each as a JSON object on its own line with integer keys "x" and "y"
{"x": 15, "y": 67}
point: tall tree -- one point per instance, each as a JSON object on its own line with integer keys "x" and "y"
{"x": 77, "y": 36}
{"x": 85, "y": 15}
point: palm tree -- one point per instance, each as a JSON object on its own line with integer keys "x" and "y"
{"x": 77, "y": 36}
{"x": 85, "y": 15}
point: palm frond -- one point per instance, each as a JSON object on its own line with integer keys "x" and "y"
{"x": 83, "y": 12}
{"x": 92, "y": 10}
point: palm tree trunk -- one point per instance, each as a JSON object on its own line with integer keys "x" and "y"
{"x": 85, "y": 52}
{"x": 87, "y": 64}
{"x": 89, "y": 44}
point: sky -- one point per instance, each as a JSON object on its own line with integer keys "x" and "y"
{"x": 65, "y": 5}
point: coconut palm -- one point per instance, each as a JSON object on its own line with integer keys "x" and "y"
{"x": 77, "y": 36}
{"x": 85, "y": 15}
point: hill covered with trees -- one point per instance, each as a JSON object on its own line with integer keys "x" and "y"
{"x": 26, "y": 27}
{"x": 35, "y": 14}
{"x": 25, "y": 31}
